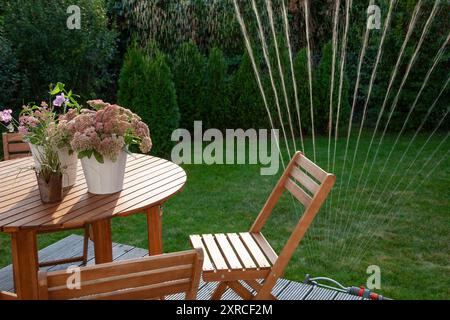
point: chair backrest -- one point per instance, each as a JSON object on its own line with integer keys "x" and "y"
{"x": 310, "y": 185}
{"x": 143, "y": 278}
{"x": 14, "y": 147}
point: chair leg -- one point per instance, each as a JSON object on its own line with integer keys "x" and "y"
{"x": 257, "y": 287}
{"x": 86, "y": 243}
{"x": 242, "y": 291}
{"x": 219, "y": 291}
{"x": 264, "y": 293}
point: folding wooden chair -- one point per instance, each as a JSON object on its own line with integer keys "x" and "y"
{"x": 143, "y": 278}
{"x": 15, "y": 148}
{"x": 231, "y": 258}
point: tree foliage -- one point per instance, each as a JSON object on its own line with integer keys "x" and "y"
{"x": 48, "y": 51}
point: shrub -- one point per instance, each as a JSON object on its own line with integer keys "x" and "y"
{"x": 47, "y": 51}
{"x": 146, "y": 87}
{"x": 248, "y": 108}
{"x": 188, "y": 69}
{"x": 216, "y": 103}
{"x": 164, "y": 114}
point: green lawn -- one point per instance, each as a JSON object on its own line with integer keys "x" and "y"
{"x": 409, "y": 242}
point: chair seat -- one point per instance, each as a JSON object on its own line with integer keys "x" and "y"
{"x": 234, "y": 256}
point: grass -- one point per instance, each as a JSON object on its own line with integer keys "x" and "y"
{"x": 406, "y": 235}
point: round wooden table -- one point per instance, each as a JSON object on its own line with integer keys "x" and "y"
{"x": 149, "y": 182}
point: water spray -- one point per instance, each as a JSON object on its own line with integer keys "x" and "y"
{"x": 354, "y": 291}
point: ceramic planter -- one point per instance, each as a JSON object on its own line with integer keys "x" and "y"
{"x": 106, "y": 177}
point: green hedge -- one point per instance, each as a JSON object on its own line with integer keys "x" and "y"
{"x": 216, "y": 106}
{"x": 188, "y": 69}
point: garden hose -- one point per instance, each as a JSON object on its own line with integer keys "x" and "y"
{"x": 354, "y": 291}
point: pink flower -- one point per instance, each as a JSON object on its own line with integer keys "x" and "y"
{"x": 97, "y": 104}
{"x": 106, "y": 130}
{"x": 6, "y": 116}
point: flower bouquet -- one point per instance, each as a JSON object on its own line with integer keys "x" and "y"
{"x": 38, "y": 123}
{"x": 102, "y": 138}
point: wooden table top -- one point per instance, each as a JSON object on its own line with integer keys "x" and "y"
{"x": 149, "y": 181}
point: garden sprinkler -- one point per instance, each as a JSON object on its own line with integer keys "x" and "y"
{"x": 354, "y": 291}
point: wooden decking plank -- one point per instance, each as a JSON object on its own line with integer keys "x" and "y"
{"x": 345, "y": 296}
{"x": 318, "y": 293}
{"x": 295, "y": 291}
{"x": 230, "y": 295}
{"x": 206, "y": 291}
{"x": 280, "y": 286}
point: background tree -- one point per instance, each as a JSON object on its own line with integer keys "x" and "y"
{"x": 188, "y": 67}
{"x": 216, "y": 106}
{"x": 247, "y": 104}
{"x": 47, "y": 51}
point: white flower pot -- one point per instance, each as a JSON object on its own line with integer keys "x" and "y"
{"x": 36, "y": 152}
{"x": 107, "y": 177}
{"x": 69, "y": 163}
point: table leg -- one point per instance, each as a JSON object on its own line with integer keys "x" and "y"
{"x": 101, "y": 232}
{"x": 154, "y": 225}
{"x": 25, "y": 264}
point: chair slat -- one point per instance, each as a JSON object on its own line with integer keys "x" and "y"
{"x": 255, "y": 251}
{"x": 109, "y": 284}
{"x": 312, "y": 168}
{"x": 58, "y": 278}
{"x": 18, "y": 148}
{"x": 265, "y": 247}
{"x": 241, "y": 251}
{"x": 305, "y": 180}
{"x": 197, "y": 242}
{"x": 145, "y": 292}
{"x": 214, "y": 251}
{"x": 228, "y": 251}
{"x": 298, "y": 193}
{"x": 14, "y": 137}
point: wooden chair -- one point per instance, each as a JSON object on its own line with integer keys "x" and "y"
{"x": 143, "y": 278}
{"x": 232, "y": 257}
{"x": 14, "y": 148}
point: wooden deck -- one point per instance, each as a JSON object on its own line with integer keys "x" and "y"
{"x": 71, "y": 246}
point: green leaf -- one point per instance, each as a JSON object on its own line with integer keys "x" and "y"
{"x": 55, "y": 91}
{"x": 98, "y": 157}
{"x": 85, "y": 153}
